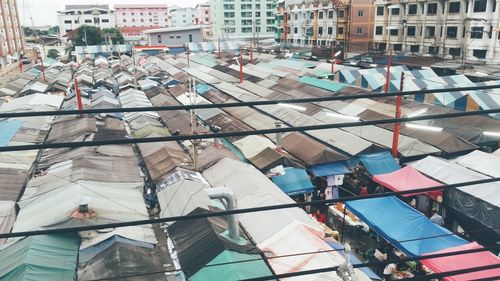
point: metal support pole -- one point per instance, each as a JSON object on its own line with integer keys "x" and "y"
{"x": 241, "y": 66}
{"x": 251, "y": 51}
{"x": 388, "y": 76}
{"x": 332, "y": 59}
{"x": 397, "y": 126}
{"x": 187, "y": 53}
{"x": 78, "y": 97}
{"x": 218, "y": 55}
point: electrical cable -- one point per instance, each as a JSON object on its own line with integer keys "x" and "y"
{"x": 246, "y": 133}
{"x": 239, "y": 211}
{"x": 242, "y": 104}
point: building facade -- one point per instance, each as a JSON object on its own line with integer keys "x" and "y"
{"x": 179, "y": 17}
{"x": 243, "y": 19}
{"x": 460, "y": 29}
{"x": 173, "y": 36}
{"x": 203, "y": 18}
{"x": 141, "y": 15}
{"x": 11, "y": 35}
{"x": 75, "y": 16}
{"x": 326, "y": 22}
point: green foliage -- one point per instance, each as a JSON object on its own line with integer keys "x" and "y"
{"x": 115, "y": 35}
{"x": 53, "y": 53}
{"x": 87, "y": 35}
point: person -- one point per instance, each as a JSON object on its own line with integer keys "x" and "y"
{"x": 363, "y": 191}
{"x": 319, "y": 216}
{"x": 390, "y": 268}
{"x": 379, "y": 189}
{"x": 436, "y": 218}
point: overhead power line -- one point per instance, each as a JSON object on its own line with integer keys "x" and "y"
{"x": 245, "y": 133}
{"x": 238, "y": 211}
{"x": 242, "y": 104}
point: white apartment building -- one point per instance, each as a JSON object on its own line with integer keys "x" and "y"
{"x": 75, "y": 16}
{"x": 180, "y": 17}
{"x": 11, "y": 36}
{"x": 203, "y": 18}
{"x": 243, "y": 19}
{"x": 141, "y": 15}
{"x": 442, "y": 28}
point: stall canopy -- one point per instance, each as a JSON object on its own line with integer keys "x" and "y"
{"x": 404, "y": 227}
{"x": 270, "y": 158}
{"x": 295, "y": 181}
{"x": 379, "y": 163}
{"x": 309, "y": 150}
{"x": 330, "y": 169}
{"x": 43, "y": 257}
{"x": 482, "y": 162}
{"x": 408, "y": 178}
{"x": 465, "y": 261}
{"x": 9, "y": 129}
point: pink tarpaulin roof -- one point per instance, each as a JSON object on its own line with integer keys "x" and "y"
{"x": 464, "y": 261}
{"x": 407, "y": 178}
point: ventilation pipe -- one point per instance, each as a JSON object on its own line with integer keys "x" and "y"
{"x": 230, "y": 197}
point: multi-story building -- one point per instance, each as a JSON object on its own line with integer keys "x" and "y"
{"x": 173, "y": 36}
{"x": 464, "y": 29}
{"x": 179, "y": 17}
{"x": 203, "y": 18}
{"x": 141, "y": 15}
{"x": 243, "y": 19}
{"x": 326, "y": 22}
{"x": 11, "y": 36}
{"x": 75, "y": 16}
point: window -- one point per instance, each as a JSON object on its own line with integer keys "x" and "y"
{"x": 430, "y": 31}
{"x": 397, "y": 47}
{"x": 178, "y": 36}
{"x": 361, "y": 13}
{"x": 454, "y": 52}
{"x": 476, "y": 32}
{"x": 132, "y": 13}
{"x": 380, "y": 10}
{"x": 142, "y": 14}
{"x": 90, "y": 21}
{"x": 453, "y": 8}
{"x": 479, "y": 6}
{"x": 340, "y": 30}
{"x": 150, "y": 13}
{"x": 340, "y": 13}
{"x": 320, "y": 15}
{"x": 68, "y": 30}
{"x": 382, "y": 46}
{"x": 330, "y": 14}
{"x": 320, "y": 30}
{"x": 159, "y": 38}
{"x": 190, "y": 37}
{"x": 480, "y": 54}
{"x": 395, "y": 11}
{"x": 359, "y": 30}
{"x": 330, "y": 31}
{"x": 394, "y": 32}
{"x": 412, "y": 9}
{"x": 415, "y": 48}
{"x": 67, "y": 21}
{"x": 105, "y": 20}
{"x": 172, "y": 37}
{"x": 432, "y": 8}
{"x": 433, "y": 50}
{"x": 296, "y": 16}
{"x": 295, "y": 30}
{"x": 246, "y": 14}
{"x": 379, "y": 30}
{"x": 451, "y": 32}
{"x": 311, "y": 15}
{"x": 124, "y": 20}
{"x": 410, "y": 31}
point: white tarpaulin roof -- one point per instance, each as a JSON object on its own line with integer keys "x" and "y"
{"x": 36, "y": 102}
{"x": 253, "y": 145}
{"x": 485, "y": 163}
{"x": 254, "y": 189}
{"x": 7, "y": 217}
{"x": 450, "y": 173}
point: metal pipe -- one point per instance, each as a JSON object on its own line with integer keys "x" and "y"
{"x": 232, "y": 204}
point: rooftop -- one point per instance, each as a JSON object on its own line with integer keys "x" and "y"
{"x": 172, "y": 29}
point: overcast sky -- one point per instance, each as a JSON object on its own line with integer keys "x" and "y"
{"x": 45, "y": 11}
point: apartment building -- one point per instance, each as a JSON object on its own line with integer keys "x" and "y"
{"x": 243, "y": 19}
{"x": 180, "y": 17}
{"x": 141, "y": 15}
{"x": 203, "y": 18}
{"x": 460, "y": 29}
{"x": 11, "y": 36}
{"x": 326, "y": 22}
{"x": 75, "y": 16}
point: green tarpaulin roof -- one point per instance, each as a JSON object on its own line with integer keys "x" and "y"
{"x": 229, "y": 270}
{"x": 323, "y": 84}
{"x": 44, "y": 257}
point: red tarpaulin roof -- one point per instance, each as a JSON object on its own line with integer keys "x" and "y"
{"x": 464, "y": 261}
{"x": 408, "y": 178}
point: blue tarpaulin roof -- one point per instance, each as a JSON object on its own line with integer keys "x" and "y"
{"x": 354, "y": 260}
{"x": 9, "y": 129}
{"x": 379, "y": 163}
{"x": 202, "y": 88}
{"x": 295, "y": 181}
{"x": 404, "y": 227}
{"x": 330, "y": 169}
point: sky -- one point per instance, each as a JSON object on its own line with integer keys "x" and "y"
{"x": 44, "y": 12}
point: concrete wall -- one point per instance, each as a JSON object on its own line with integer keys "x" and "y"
{"x": 174, "y": 38}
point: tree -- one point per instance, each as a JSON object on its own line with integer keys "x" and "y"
{"x": 87, "y": 35}
{"x": 53, "y": 53}
{"x": 115, "y": 35}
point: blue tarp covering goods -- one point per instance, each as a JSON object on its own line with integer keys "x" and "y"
{"x": 330, "y": 169}
{"x": 379, "y": 163}
{"x": 295, "y": 181}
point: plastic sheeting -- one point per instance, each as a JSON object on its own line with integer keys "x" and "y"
{"x": 379, "y": 163}
{"x": 253, "y": 189}
{"x": 250, "y": 146}
{"x": 295, "y": 181}
{"x": 464, "y": 261}
{"x": 269, "y": 158}
{"x": 408, "y": 178}
{"x": 43, "y": 258}
{"x": 309, "y": 150}
{"x": 9, "y": 129}
{"x": 482, "y": 162}
{"x": 330, "y": 169}
{"x": 7, "y": 217}
{"x": 404, "y": 227}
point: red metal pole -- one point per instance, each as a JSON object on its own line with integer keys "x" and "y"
{"x": 388, "y": 77}
{"x": 397, "y": 126}
{"x": 241, "y": 66}
{"x": 78, "y": 97}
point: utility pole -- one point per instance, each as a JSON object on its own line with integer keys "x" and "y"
{"x": 218, "y": 55}
{"x": 187, "y": 53}
{"x": 397, "y": 126}
{"x": 78, "y": 97}
{"x": 241, "y": 66}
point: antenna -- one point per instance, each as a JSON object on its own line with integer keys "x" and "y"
{"x": 27, "y": 13}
